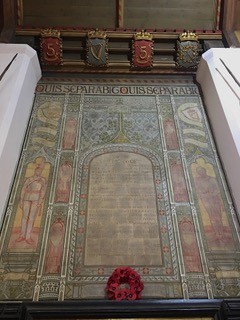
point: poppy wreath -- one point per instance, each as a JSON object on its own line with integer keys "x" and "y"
{"x": 124, "y": 284}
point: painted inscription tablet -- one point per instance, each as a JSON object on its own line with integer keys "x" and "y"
{"x": 122, "y": 226}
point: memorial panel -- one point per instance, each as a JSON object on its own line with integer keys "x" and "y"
{"x": 122, "y": 212}
{"x": 119, "y": 173}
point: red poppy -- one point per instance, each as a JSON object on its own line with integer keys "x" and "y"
{"x": 123, "y": 272}
{"x": 115, "y": 277}
{"x": 131, "y": 295}
{"x": 119, "y": 295}
{"x": 135, "y": 281}
{"x": 110, "y": 280}
{"x": 113, "y": 287}
{"x": 139, "y": 287}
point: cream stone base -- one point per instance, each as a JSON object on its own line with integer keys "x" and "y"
{"x": 221, "y": 92}
{"x": 16, "y": 98}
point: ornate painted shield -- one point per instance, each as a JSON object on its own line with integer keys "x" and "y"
{"x": 187, "y": 51}
{"x": 142, "y": 51}
{"x": 51, "y": 47}
{"x": 97, "y": 50}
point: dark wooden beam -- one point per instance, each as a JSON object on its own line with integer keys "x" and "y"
{"x": 120, "y": 12}
{"x": 8, "y": 10}
{"x": 218, "y": 309}
{"x": 231, "y": 22}
{"x": 1, "y": 16}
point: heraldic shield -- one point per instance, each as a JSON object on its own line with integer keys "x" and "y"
{"x": 142, "y": 51}
{"x": 97, "y": 50}
{"x": 187, "y": 51}
{"x": 51, "y": 47}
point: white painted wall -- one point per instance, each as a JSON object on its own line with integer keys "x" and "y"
{"x": 16, "y": 99}
{"x": 222, "y": 100}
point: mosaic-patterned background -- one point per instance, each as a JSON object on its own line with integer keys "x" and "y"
{"x": 119, "y": 173}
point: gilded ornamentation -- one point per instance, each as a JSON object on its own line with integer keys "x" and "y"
{"x": 187, "y": 51}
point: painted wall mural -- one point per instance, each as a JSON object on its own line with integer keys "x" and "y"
{"x": 30, "y": 210}
{"x": 114, "y": 173}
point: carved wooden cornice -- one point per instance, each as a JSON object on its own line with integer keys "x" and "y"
{"x": 119, "y": 33}
{"x": 119, "y": 48}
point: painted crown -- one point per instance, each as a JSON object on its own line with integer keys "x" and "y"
{"x": 143, "y": 36}
{"x": 97, "y": 34}
{"x": 50, "y": 33}
{"x": 188, "y": 36}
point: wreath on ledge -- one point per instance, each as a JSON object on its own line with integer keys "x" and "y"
{"x": 124, "y": 284}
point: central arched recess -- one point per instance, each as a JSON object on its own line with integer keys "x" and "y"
{"x": 122, "y": 224}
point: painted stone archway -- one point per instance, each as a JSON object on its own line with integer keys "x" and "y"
{"x": 124, "y": 214}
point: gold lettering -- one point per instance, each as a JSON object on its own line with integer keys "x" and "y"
{"x": 143, "y": 55}
{"x": 51, "y": 54}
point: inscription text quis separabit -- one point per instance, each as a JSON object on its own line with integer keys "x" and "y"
{"x": 118, "y": 90}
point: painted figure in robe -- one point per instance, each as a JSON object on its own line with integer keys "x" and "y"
{"x": 209, "y": 194}
{"x": 64, "y": 181}
{"x": 55, "y": 247}
{"x": 31, "y": 200}
{"x": 189, "y": 247}
{"x": 69, "y": 134}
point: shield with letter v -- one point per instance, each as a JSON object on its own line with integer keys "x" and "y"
{"x": 97, "y": 50}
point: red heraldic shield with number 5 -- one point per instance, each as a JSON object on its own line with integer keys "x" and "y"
{"x": 51, "y": 47}
{"x": 142, "y": 51}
